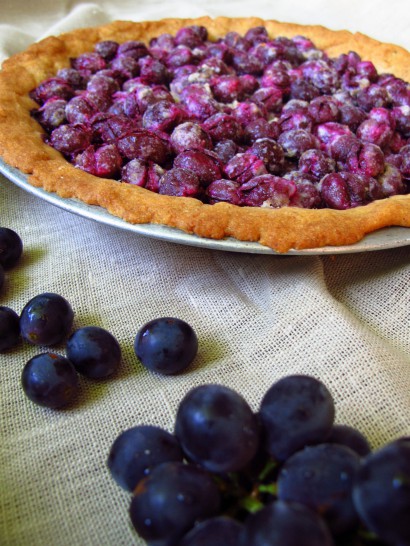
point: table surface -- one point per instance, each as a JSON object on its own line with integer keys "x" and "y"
{"x": 342, "y": 318}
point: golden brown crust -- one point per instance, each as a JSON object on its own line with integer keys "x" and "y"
{"x": 21, "y": 144}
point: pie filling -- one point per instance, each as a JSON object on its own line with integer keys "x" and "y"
{"x": 247, "y": 119}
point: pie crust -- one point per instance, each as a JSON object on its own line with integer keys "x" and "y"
{"x": 22, "y": 145}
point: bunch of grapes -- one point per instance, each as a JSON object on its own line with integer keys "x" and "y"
{"x": 286, "y": 475}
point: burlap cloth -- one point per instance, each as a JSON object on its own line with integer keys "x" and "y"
{"x": 342, "y": 318}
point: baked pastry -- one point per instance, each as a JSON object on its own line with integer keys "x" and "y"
{"x": 292, "y": 136}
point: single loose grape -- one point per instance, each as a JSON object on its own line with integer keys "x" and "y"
{"x": 50, "y": 380}
{"x": 9, "y": 328}
{"x": 94, "y": 352}
{"x": 46, "y": 319}
{"x": 11, "y": 247}
{"x": 166, "y": 345}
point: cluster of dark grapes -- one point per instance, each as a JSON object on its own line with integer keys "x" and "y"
{"x": 164, "y": 345}
{"x": 286, "y": 475}
{"x": 51, "y": 379}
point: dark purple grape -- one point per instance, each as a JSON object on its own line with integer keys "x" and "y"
{"x": 166, "y": 345}
{"x": 236, "y": 41}
{"x": 204, "y": 164}
{"x": 46, "y": 319}
{"x": 316, "y": 163}
{"x": 257, "y": 35}
{"x": 136, "y": 451}
{"x": 52, "y": 88}
{"x": 297, "y": 141}
{"x": 191, "y": 36}
{"x": 369, "y": 161}
{"x": 322, "y": 75}
{"x": 153, "y": 71}
{"x": 381, "y": 492}
{"x": 401, "y": 114}
{"x": 350, "y": 437}
{"x": 293, "y": 118}
{"x": 285, "y": 524}
{"x": 11, "y": 248}
{"x": 222, "y": 126}
{"x": 90, "y": 62}
{"x": 267, "y": 190}
{"x": 391, "y": 182}
{"x": 227, "y": 88}
{"x": 216, "y": 428}
{"x": 306, "y": 195}
{"x": 261, "y": 128}
{"x": 217, "y": 530}
{"x": 190, "y": 136}
{"x": 246, "y": 112}
{"x": 69, "y": 139}
{"x": 270, "y": 152}
{"x": 244, "y": 166}
{"x": 133, "y": 48}
{"x": 108, "y": 128}
{"x": 142, "y": 173}
{"x": 102, "y": 85}
{"x": 328, "y": 132}
{"x": 73, "y": 78}
{"x": 374, "y": 132}
{"x": 296, "y": 411}
{"x": 50, "y": 380}
{"x": 170, "y": 500}
{"x": 107, "y": 49}
{"x": 94, "y": 352}
{"x": 179, "y": 182}
{"x": 104, "y": 161}
{"x": 163, "y": 116}
{"x": 225, "y": 150}
{"x": 334, "y": 191}
{"x": 351, "y": 115}
{"x": 144, "y": 145}
{"x": 322, "y": 478}
{"x": 52, "y": 114}
{"x": 9, "y": 328}
{"x": 269, "y": 97}
{"x": 164, "y": 41}
{"x": 303, "y": 90}
{"x": 372, "y": 96}
{"x": 126, "y": 66}
{"x": 277, "y": 75}
{"x": 324, "y": 109}
{"x": 224, "y": 190}
{"x": 79, "y": 110}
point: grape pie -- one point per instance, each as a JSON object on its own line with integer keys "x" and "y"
{"x": 288, "y": 135}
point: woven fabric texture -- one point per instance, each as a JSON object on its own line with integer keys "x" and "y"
{"x": 342, "y": 318}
